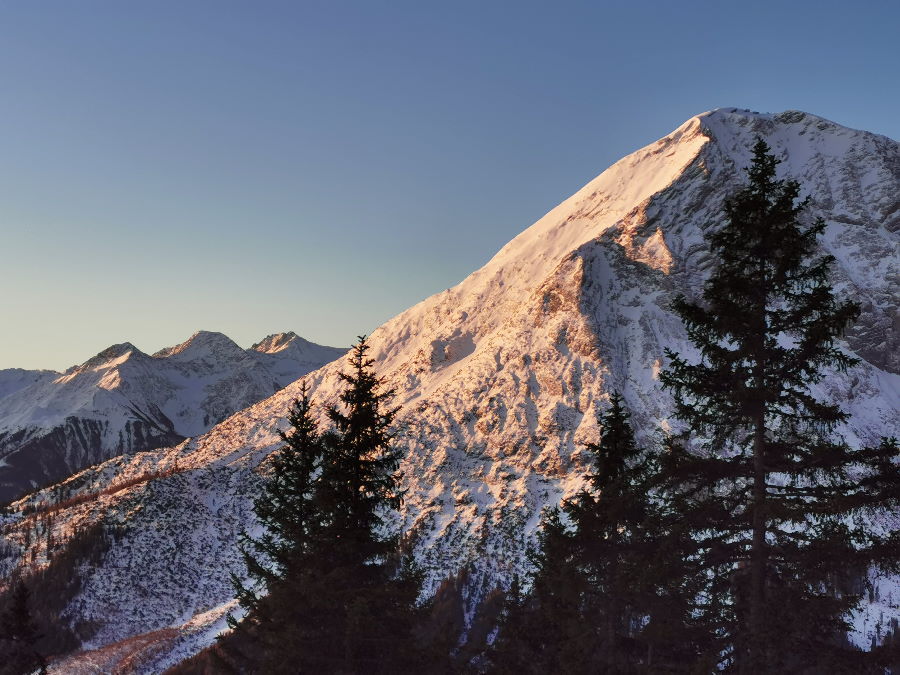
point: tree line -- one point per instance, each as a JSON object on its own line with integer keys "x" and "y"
{"x": 332, "y": 589}
{"x": 741, "y": 543}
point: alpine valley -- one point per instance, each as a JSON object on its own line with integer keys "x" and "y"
{"x": 499, "y": 381}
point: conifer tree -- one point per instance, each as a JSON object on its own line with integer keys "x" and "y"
{"x": 631, "y": 550}
{"x": 371, "y": 584}
{"x": 19, "y": 634}
{"x": 282, "y": 563}
{"x": 592, "y": 600}
{"x": 545, "y": 631}
{"x": 341, "y": 591}
{"x": 361, "y": 476}
{"x": 767, "y": 491}
{"x": 611, "y": 523}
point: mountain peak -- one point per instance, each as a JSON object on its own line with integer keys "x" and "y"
{"x": 282, "y": 351}
{"x": 498, "y": 380}
{"x": 784, "y": 117}
{"x": 111, "y": 353}
{"x": 277, "y": 342}
{"x": 202, "y": 341}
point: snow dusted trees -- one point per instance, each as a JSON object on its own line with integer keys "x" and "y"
{"x": 340, "y": 596}
{"x": 771, "y": 497}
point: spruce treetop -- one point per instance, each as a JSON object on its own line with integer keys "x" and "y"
{"x": 762, "y": 483}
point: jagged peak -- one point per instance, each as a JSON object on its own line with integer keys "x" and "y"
{"x": 785, "y": 129}
{"x": 277, "y": 342}
{"x": 201, "y": 340}
{"x": 731, "y": 120}
{"x": 784, "y": 117}
{"x": 111, "y": 353}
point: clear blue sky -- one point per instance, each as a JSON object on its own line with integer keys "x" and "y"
{"x": 259, "y": 166}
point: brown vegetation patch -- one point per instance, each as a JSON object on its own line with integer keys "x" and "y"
{"x": 120, "y": 658}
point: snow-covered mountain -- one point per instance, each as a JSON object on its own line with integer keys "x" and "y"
{"x": 123, "y": 401}
{"x": 15, "y": 379}
{"x": 499, "y": 380}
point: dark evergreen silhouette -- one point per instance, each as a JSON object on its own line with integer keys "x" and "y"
{"x": 19, "y": 635}
{"x": 545, "y": 630}
{"x": 594, "y": 606}
{"x": 360, "y": 479}
{"x": 282, "y": 562}
{"x": 371, "y": 586}
{"x": 333, "y": 589}
{"x": 768, "y": 493}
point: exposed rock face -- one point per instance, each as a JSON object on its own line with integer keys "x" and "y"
{"x": 500, "y": 378}
{"x": 124, "y": 401}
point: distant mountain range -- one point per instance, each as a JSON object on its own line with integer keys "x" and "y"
{"x": 123, "y": 401}
{"x": 499, "y": 381}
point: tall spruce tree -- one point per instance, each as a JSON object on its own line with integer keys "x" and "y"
{"x": 281, "y": 622}
{"x": 341, "y": 591}
{"x": 771, "y": 497}
{"x": 612, "y": 522}
{"x": 361, "y": 473}
{"x": 369, "y": 579}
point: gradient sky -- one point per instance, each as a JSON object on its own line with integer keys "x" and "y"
{"x": 260, "y": 166}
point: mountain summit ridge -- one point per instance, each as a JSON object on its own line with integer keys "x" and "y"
{"x": 201, "y": 340}
{"x": 499, "y": 379}
{"x": 124, "y": 400}
{"x": 276, "y": 342}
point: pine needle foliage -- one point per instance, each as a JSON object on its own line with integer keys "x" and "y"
{"x": 333, "y": 588}
{"x": 282, "y": 562}
{"x": 543, "y": 631}
{"x": 592, "y": 606}
{"x": 774, "y": 500}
